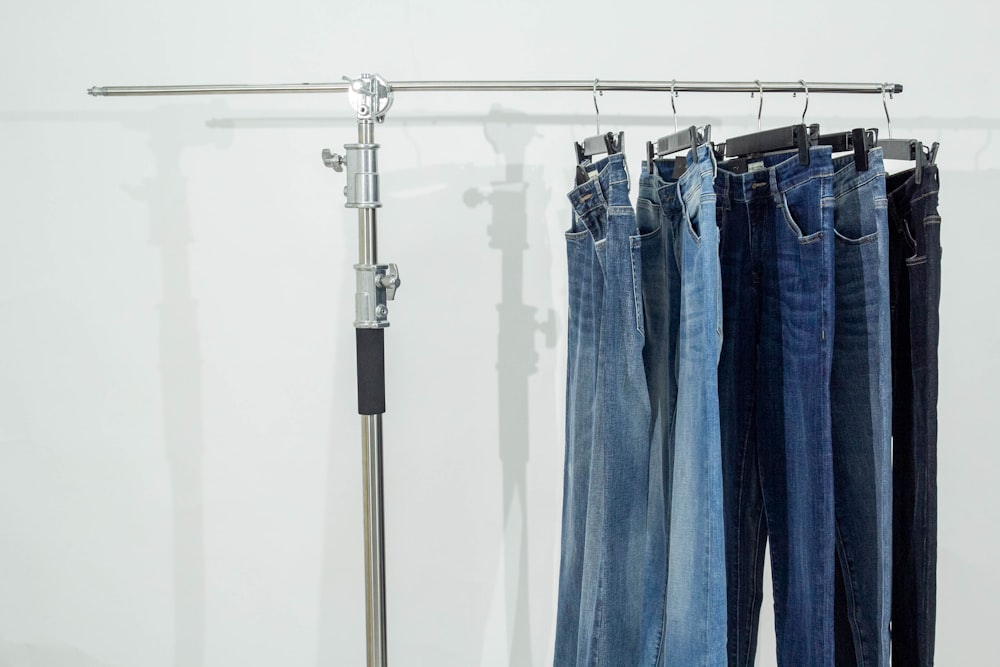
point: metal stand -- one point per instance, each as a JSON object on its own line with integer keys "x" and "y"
{"x": 376, "y": 284}
{"x": 371, "y": 96}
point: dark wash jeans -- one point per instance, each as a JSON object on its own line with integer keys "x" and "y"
{"x": 608, "y": 429}
{"x": 861, "y": 401}
{"x": 777, "y": 256}
{"x": 915, "y": 292}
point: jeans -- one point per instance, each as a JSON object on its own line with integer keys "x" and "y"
{"x": 693, "y": 629}
{"x": 608, "y": 430}
{"x": 860, "y": 397}
{"x": 915, "y": 291}
{"x": 661, "y": 303}
{"x": 777, "y": 254}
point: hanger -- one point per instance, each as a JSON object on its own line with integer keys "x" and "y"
{"x": 859, "y": 141}
{"x": 792, "y": 137}
{"x": 905, "y": 149}
{"x": 680, "y": 140}
{"x": 600, "y": 143}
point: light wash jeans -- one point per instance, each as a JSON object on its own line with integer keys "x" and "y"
{"x": 690, "y": 581}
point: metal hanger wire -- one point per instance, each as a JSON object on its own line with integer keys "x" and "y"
{"x": 673, "y": 96}
{"x": 885, "y": 105}
{"x": 597, "y": 110}
{"x": 805, "y": 87}
{"x": 760, "y": 107}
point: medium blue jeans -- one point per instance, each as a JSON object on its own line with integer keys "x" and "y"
{"x": 599, "y": 615}
{"x": 777, "y": 253}
{"x": 692, "y": 631}
{"x": 861, "y": 402}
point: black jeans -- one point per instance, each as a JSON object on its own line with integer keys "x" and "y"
{"x": 915, "y": 290}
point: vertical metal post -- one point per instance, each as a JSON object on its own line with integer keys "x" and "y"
{"x": 371, "y": 97}
{"x": 375, "y": 626}
{"x": 371, "y": 442}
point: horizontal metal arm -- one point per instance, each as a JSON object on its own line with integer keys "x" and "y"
{"x": 588, "y": 86}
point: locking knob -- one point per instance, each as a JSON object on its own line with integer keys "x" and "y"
{"x": 333, "y": 160}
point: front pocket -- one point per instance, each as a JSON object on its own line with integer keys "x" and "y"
{"x": 793, "y": 225}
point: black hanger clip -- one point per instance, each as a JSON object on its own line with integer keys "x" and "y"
{"x": 859, "y": 141}
{"x": 790, "y": 137}
{"x": 910, "y": 150}
{"x": 609, "y": 143}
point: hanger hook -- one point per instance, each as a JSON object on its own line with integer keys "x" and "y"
{"x": 805, "y": 87}
{"x": 597, "y": 111}
{"x": 885, "y": 105}
{"x": 673, "y": 96}
{"x": 760, "y": 107}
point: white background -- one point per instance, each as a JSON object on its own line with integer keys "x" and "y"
{"x": 179, "y": 450}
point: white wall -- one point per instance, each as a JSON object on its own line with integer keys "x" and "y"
{"x": 179, "y": 456}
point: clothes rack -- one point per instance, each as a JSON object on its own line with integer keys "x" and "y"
{"x": 371, "y": 96}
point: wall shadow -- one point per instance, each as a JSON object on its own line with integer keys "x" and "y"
{"x": 517, "y": 361}
{"x": 169, "y": 131}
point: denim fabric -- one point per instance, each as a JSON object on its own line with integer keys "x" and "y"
{"x": 661, "y": 303}
{"x": 581, "y": 496}
{"x": 604, "y": 629}
{"x": 860, "y": 398}
{"x": 777, "y": 254}
{"x": 915, "y": 292}
{"x": 695, "y": 619}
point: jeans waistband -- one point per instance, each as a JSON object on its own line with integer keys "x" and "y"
{"x": 910, "y": 203}
{"x": 780, "y": 171}
{"x": 846, "y": 176}
{"x": 600, "y": 192}
{"x": 663, "y": 188}
{"x": 903, "y": 188}
{"x": 700, "y": 172}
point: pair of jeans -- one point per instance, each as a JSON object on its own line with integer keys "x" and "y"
{"x": 915, "y": 292}
{"x": 861, "y": 401}
{"x": 777, "y": 254}
{"x": 608, "y": 428}
{"x": 686, "y": 588}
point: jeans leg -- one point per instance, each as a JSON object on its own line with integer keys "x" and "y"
{"x": 860, "y": 400}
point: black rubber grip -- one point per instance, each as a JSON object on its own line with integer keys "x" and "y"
{"x": 371, "y": 371}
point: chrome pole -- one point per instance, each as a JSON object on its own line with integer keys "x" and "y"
{"x": 587, "y": 85}
{"x": 371, "y": 443}
{"x": 375, "y": 625}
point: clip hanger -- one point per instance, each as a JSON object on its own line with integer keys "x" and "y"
{"x": 791, "y": 137}
{"x": 609, "y": 143}
{"x": 905, "y": 149}
{"x": 858, "y": 140}
{"x": 680, "y": 140}
{"x": 686, "y": 139}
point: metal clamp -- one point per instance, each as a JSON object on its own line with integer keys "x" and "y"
{"x": 377, "y": 284}
{"x": 362, "y": 189}
{"x": 370, "y": 95}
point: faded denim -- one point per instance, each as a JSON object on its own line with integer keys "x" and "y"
{"x": 693, "y": 629}
{"x": 608, "y": 429}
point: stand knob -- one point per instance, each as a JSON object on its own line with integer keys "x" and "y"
{"x": 333, "y": 160}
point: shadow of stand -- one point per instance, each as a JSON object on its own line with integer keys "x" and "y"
{"x": 180, "y": 359}
{"x": 169, "y": 130}
{"x": 516, "y": 361}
